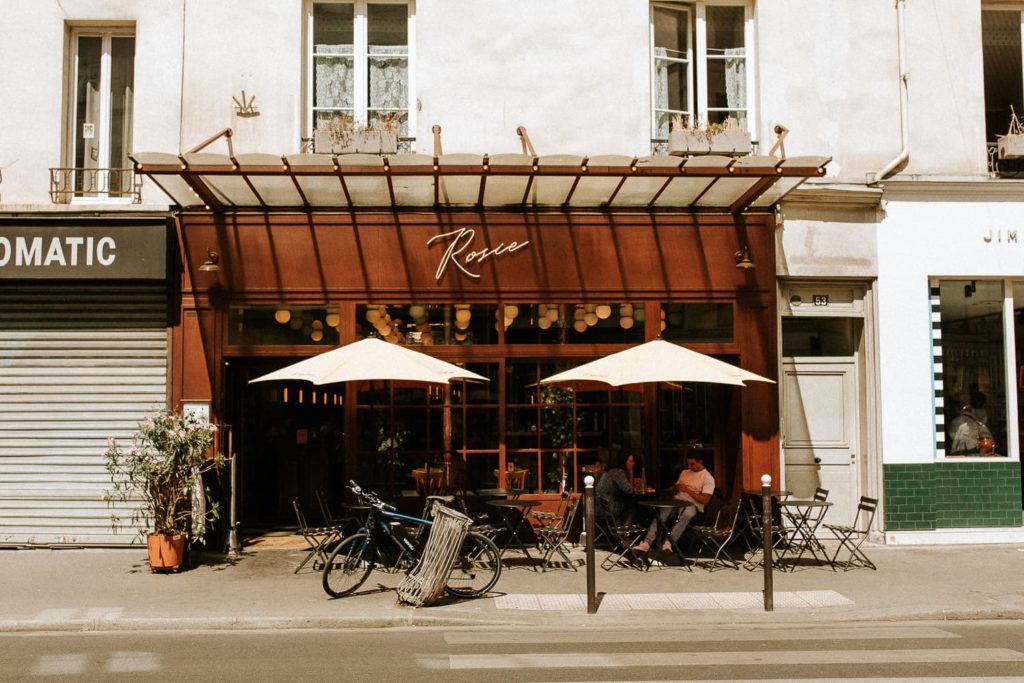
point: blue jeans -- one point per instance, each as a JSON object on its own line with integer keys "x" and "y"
{"x": 682, "y": 520}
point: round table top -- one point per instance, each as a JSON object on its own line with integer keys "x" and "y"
{"x": 774, "y": 493}
{"x": 500, "y": 492}
{"x": 670, "y": 503}
{"x": 513, "y": 503}
{"x": 805, "y": 503}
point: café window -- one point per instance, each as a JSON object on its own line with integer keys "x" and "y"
{"x": 429, "y": 324}
{"x": 359, "y": 65}
{"x": 699, "y": 64}
{"x": 283, "y": 326}
{"x": 970, "y": 372}
{"x": 563, "y": 323}
{"x": 1004, "y": 77}
{"x": 101, "y": 116}
{"x": 693, "y": 323}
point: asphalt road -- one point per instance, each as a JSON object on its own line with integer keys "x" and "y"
{"x": 936, "y": 651}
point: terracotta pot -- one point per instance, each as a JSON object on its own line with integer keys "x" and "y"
{"x": 165, "y": 551}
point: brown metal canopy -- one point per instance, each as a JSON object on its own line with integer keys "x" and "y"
{"x": 707, "y": 184}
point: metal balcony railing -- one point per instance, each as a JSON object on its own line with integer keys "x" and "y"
{"x": 67, "y": 184}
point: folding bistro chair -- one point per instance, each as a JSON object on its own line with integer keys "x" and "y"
{"x": 544, "y": 519}
{"x": 331, "y": 519}
{"x": 319, "y": 538}
{"x": 623, "y": 539}
{"x": 553, "y": 536}
{"x": 716, "y": 536}
{"x": 851, "y": 537}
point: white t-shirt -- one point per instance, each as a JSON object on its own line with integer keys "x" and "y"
{"x": 702, "y": 481}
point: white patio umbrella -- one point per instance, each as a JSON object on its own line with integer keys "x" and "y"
{"x": 655, "y": 361}
{"x": 369, "y": 360}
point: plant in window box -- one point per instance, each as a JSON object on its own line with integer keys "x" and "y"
{"x": 341, "y": 135}
{"x": 726, "y": 138}
{"x": 161, "y": 475}
{"x": 1011, "y": 145}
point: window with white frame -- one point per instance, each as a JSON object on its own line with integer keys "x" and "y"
{"x": 699, "y": 54}
{"x": 1002, "y": 25}
{"x": 102, "y": 102}
{"x": 359, "y": 64}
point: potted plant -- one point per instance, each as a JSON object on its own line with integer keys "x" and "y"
{"x": 340, "y": 135}
{"x": 161, "y": 472}
{"x": 1011, "y": 145}
{"x": 726, "y": 138}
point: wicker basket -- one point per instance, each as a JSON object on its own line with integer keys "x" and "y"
{"x": 425, "y": 583}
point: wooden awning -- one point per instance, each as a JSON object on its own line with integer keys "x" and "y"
{"x": 706, "y": 184}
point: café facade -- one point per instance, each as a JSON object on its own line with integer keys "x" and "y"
{"x": 516, "y": 266}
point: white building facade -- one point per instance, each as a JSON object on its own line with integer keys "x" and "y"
{"x": 899, "y": 275}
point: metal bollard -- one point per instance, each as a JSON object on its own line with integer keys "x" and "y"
{"x": 588, "y": 519}
{"x": 766, "y": 526}
{"x": 234, "y": 549}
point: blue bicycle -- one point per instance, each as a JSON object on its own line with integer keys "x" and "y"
{"x": 475, "y": 572}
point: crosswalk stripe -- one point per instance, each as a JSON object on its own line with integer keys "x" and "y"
{"x": 704, "y": 635}
{"x": 582, "y": 660}
{"x": 876, "y": 679}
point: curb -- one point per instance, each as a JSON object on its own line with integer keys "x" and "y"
{"x": 415, "y": 618}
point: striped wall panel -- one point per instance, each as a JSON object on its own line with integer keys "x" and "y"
{"x": 938, "y": 400}
{"x": 78, "y": 364}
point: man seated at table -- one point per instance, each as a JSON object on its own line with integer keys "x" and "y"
{"x": 695, "y": 486}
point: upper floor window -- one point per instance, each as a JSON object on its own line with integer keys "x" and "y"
{"x": 699, "y": 67}
{"x": 1004, "y": 77}
{"x": 102, "y": 100}
{"x": 359, "y": 64}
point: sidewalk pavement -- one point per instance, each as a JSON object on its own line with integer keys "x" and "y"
{"x": 96, "y": 589}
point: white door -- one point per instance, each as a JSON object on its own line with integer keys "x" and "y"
{"x": 820, "y": 431}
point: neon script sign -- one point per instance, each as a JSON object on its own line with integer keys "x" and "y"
{"x": 460, "y": 253}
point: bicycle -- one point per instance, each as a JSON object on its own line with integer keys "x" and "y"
{"x": 477, "y": 564}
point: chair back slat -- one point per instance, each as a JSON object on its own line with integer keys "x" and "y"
{"x": 820, "y": 494}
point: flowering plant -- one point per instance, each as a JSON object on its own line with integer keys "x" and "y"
{"x": 163, "y": 468}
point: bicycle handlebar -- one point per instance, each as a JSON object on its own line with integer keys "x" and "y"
{"x": 370, "y": 497}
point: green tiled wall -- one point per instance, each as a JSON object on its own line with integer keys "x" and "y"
{"x": 946, "y": 495}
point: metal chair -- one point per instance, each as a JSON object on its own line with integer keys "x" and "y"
{"x": 851, "y": 537}
{"x": 716, "y": 536}
{"x": 623, "y": 539}
{"x": 820, "y": 494}
{"x": 331, "y": 519}
{"x": 318, "y": 538}
{"x": 554, "y": 536}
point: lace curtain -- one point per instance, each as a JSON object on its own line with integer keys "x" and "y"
{"x": 334, "y": 77}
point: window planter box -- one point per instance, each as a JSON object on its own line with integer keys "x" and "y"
{"x": 1011, "y": 146}
{"x": 356, "y": 142}
{"x": 729, "y": 143}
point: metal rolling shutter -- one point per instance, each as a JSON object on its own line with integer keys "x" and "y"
{"x": 78, "y": 364}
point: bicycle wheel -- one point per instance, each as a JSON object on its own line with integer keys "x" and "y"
{"x": 348, "y": 566}
{"x": 476, "y": 569}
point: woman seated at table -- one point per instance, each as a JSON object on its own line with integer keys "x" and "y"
{"x": 615, "y": 497}
{"x": 696, "y": 486}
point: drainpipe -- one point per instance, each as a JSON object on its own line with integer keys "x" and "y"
{"x": 904, "y": 154}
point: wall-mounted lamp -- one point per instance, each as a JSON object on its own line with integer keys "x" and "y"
{"x": 210, "y": 264}
{"x": 743, "y": 258}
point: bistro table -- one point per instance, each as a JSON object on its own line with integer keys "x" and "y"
{"x": 805, "y": 516}
{"x": 507, "y": 508}
{"x": 753, "y": 519}
{"x": 496, "y": 493}
{"x": 663, "y": 530}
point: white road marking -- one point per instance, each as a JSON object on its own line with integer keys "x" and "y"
{"x": 57, "y": 614}
{"x": 562, "y": 660}
{"x": 60, "y": 665}
{"x": 129, "y": 662}
{"x": 702, "y": 635}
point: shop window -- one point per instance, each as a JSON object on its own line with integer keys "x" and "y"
{"x": 101, "y": 116}
{"x": 707, "y": 323}
{"x": 359, "y": 65}
{"x": 552, "y": 432}
{"x": 429, "y": 324}
{"x": 283, "y": 326}
{"x": 970, "y": 357}
{"x": 561, "y": 323}
{"x": 699, "y": 64}
{"x": 1004, "y": 76}
{"x": 403, "y": 429}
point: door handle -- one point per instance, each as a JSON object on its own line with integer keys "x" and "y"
{"x": 817, "y": 461}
